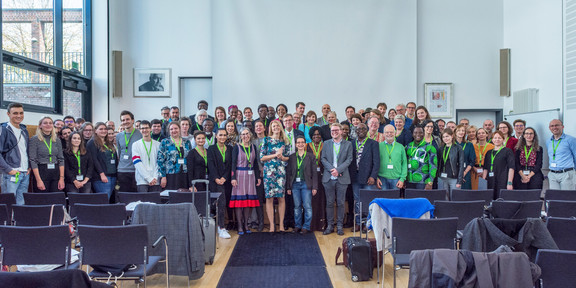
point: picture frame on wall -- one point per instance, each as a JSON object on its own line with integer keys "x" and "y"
{"x": 439, "y": 99}
{"x": 152, "y": 82}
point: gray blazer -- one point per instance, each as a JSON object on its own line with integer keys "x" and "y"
{"x": 344, "y": 160}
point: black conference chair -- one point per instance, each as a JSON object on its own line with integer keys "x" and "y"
{"x": 472, "y": 195}
{"x": 35, "y": 246}
{"x": 561, "y": 208}
{"x": 8, "y": 199}
{"x": 557, "y": 268}
{"x": 45, "y": 198}
{"x": 129, "y": 197}
{"x": 85, "y": 198}
{"x": 419, "y": 234}
{"x": 553, "y": 194}
{"x": 5, "y": 218}
{"x": 563, "y": 231}
{"x": 516, "y": 209}
{"x": 520, "y": 195}
{"x": 101, "y": 214}
{"x": 71, "y": 278}
{"x": 38, "y": 215}
{"x": 366, "y": 196}
{"x": 465, "y": 211}
{"x": 431, "y": 195}
{"x": 119, "y": 245}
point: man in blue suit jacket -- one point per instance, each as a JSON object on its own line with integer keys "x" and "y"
{"x": 336, "y": 157}
{"x": 364, "y": 167}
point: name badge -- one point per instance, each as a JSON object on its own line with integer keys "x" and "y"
{"x": 125, "y": 157}
{"x": 206, "y": 177}
{"x": 390, "y": 166}
{"x": 444, "y": 175}
{"x": 479, "y": 170}
{"x": 553, "y": 165}
{"x": 250, "y": 172}
{"x": 298, "y": 179}
{"x": 13, "y": 179}
{"x": 80, "y": 177}
{"x": 491, "y": 174}
{"x": 112, "y": 161}
{"x": 318, "y": 169}
{"x": 526, "y": 172}
{"x": 180, "y": 160}
{"x": 51, "y": 166}
{"x": 409, "y": 166}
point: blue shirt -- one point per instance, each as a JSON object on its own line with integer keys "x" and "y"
{"x": 565, "y": 152}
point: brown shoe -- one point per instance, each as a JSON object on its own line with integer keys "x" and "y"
{"x": 303, "y": 232}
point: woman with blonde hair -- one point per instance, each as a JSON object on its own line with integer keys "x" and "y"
{"x": 47, "y": 158}
{"x": 481, "y": 147}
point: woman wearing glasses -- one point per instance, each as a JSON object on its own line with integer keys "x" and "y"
{"x": 528, "y": 161}
{"x": 509, "y": 140}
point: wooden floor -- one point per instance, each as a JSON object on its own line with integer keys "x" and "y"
{"x": 329, "y": 244}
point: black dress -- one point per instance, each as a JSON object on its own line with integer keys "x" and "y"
{"x": 503, "y": 161}
{"x": 197, "y": 168}
{"x": 534, "y": 164}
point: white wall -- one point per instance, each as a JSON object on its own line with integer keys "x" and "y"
{"x": 459, "y": 42}
{"x": 100, "y": 101}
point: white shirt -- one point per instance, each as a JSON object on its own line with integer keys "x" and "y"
{"x": 21, "y": 148}
{"x": 146, "y": 168}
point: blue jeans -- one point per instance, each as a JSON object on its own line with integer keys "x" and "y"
{"x": 356, "y": 189}
{"x": 101, "y": 187}
{"x": 16, "y": 188}
{"x": 388, "y": 184}
{"x": 302, "y": 200}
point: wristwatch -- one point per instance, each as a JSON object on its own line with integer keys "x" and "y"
{"x": 509, "y": 183}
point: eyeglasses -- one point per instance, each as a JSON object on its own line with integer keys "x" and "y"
{"x": 244, "y": 134}
{"x": 69, "y": 121}
{"x": 529, "y": 133}
{"x": 429, "y": 127}
{"x": 503, "y": 127}
{"x": 410, "y": 107}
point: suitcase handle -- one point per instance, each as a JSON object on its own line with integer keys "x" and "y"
{"x": 194, "y": 182}
{"x": 338, "y": 256}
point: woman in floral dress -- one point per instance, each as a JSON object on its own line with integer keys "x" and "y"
{"x": 274, "y": 156}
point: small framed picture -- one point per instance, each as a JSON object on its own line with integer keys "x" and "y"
{"x": 150, "y": 82}
{"x": 439, "y": 99}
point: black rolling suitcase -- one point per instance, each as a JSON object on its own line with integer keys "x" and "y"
{"x": 357, "y": 257}
{"x": 201, "y": 200}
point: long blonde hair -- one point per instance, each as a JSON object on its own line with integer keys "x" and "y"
{"x": 40, "y": 134}
{"x": 282, "y": 134}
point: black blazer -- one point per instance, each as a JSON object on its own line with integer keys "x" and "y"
{"x": 218, "y": 168}
{"x": 405, "y": 137}
{"x": 71, "y": 167}
{"x": 369, "y": 164}
{"x": 309, "y": 171}
{"x": 196, "y": 167}
{"x": 101, "y": 159}
{"x": 255, "y": 164}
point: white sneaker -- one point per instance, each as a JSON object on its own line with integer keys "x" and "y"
{"x": 223, "y": 233}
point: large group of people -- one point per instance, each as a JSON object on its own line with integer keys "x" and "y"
{"x": 307, "y": 164}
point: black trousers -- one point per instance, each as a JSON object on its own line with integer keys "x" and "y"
{"x": 50, "y": 178}
{"x": 127, "y": 182}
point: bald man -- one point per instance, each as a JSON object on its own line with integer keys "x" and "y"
{"x": 562, "y": 157}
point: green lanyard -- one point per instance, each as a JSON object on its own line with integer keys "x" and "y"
{"x": 376, "y": 136}
{"x": 49, "y": 149}
{"x": 445, "y": 155}
{"x": 494, "y": 156}
{"x": 177, "y": 146}
{"x": 205, "y": 156}
{"x": 317, "y": 152}
{"x": 211, "y": 140}
{"x": 336, "y": 150}
{"x": 412, "y": 151}
{"x": 360, "y": 147}
{"x": 527, "y": 155}
{"x": 390, "y": 151}
{"x": 222, "y": 152}
{"x": 147, "y": 151}
{"x": 127, "y": 140}
{"x": 290, "y": 136}
{"x": 159, "y": 136}
{"x": 77, "y": 155}
{"x": 111, "y": 151}
{"x": 554, "y": 147}
{"x": 299, "y": 162}
{"x": 248, "y": 154}
{"x": 17, "y": 176}
{"x": 481, "y": 154}
{"x": 464, "y": 147}
{"x": 198, "y": 126}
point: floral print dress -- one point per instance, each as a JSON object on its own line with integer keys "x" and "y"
{"x": 274, "y": 169}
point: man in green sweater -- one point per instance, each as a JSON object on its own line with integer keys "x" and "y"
{"x": 393, "y": 162}
{"x": 422, "y": 161}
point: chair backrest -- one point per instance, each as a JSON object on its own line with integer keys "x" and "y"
{"x": 520, "y": 195}
{"x": 35, "y": 245}
{"x": 101, "y": 214}
{"x": 557, "y": 268}
{"x": 45, "y": 198}
{"x": 464, "y": 210}
{"x": 367, "y": 195}
{"x": 8, "y": 199}
{"x": 87, "y": 198}
{"x": 113, "y": 245}
{"x": 553, "y": 194}
{"x": 563, "y": 231}
{"x": 561, "y": 208}
{"x": 37, "y": 215}
{"x": 418, "y": 234}
{"x": 431, "y": 195}
{"x": 472, "y": 195}
{"x": 5, "y": 218}
{"x": 516, "y": 209}
{"x": 129, "y": 197}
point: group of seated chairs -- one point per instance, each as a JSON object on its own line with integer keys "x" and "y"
{"x": 460, "y": 214}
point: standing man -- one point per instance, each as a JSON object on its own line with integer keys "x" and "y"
{"x": 144, "y": 153}
{"x": 202, "y": 104}
{"x": 489, "y": 126}
{"x": 393, "y": 163}
{"x": 562, "y": 156}
{"x": 422, "y": 161}
{"x": 301, "y": 109}
{"x": 271, "y": 113}
{"x": 156, "y": 130}
{"x": 519, "y": 126}
{"x": 174, "y": 116}
{"x": 321, "y": 121}
{"x": 350, "y": 110}
{"x": 125, "y": 140}
{"x": 14, "y": 150}
{"x": 411, "y": 110}
{"x": 364, "y": 167}
{"x": 465, "y": 122}
{"x": 70, "y": 122}
{"x": 165, "y": 113}
{"x": 110, "y": 124}
{"x": 336, "y": 157}
{"x": 263, "y": 113}
{"x": 58, "y": 124}
{"x": 401, "y": 110}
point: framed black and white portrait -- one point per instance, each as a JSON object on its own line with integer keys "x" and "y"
{"x": 152, "y": 82}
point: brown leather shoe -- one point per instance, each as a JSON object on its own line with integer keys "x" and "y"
{"x": 304, "y": 231}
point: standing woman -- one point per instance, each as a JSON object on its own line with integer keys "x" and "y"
{"x": 499, "y": 165}
{"x": 354, "y": 121}
{"x": 310, "y": 122}
{"x": 274, "y": 155}
{"x": 87, "y": 131}
{"x": 258, "y": 141}
{"x": 392, "y": 114}
{"x": 302, "y": 184}
{"x": 232, "y": 132}
{"x": 199, "y": 120}
{"x": 469, "y": 155}
{"x": 245, "y": 178}
{"x": 403, "y": 136}
{"x": 429, "y": 136}
{"x": 219, "y": 170}
{"x": 421, "y": 116}
{"x": 451, "y": 163}
{"x": 528, "y": 161}
{"x": 172, "y": 159}
{"x": 105, "y": 160}
{"x": 46, "y": 158}
{"x": 281, "y": 110}
{"x": 471, "y": 134}
{"x": 197, "y": 161}
{"x": 185, "y": 128}
{"x": 219, "y": 116}
{"x": 318, "y": 200}
{"x": 509, "y": 140}
{"x": 79, "y": 167}
{"x": 481, "y": 147}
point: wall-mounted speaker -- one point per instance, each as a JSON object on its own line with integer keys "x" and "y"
{"x": 504, "y": 72}
{"x": 116, "y": 74}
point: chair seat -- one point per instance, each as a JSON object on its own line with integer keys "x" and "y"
{"x": 136, "y": 273}
{"x": 402, "y": 259}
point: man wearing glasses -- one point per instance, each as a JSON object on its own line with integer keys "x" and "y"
{"x": 411, "y": 110}
{"x": 519, "y": 126}
{"x": 562, "y": 157}
{"x": 70, "y": 123}
{"x": 393, "y": 162}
